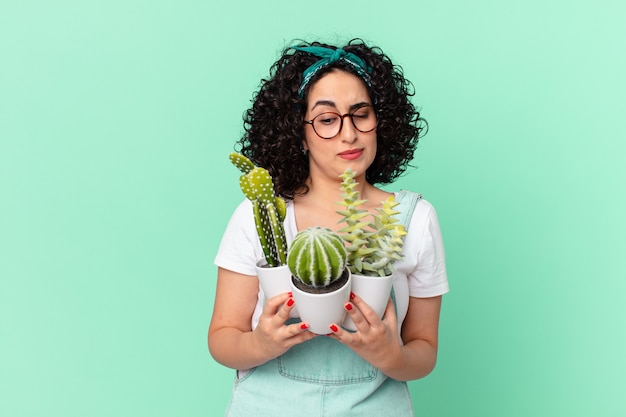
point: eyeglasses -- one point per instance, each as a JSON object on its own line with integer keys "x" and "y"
{"x": 327, "y": 125}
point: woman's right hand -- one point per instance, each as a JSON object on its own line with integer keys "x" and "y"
{"x": 232, "y": 341}
{"x": 272, "y": 337}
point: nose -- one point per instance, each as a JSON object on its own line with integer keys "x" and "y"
{"x": 348, "y": 132}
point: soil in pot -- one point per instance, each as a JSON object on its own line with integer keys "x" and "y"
{"x": 334, "y": 286}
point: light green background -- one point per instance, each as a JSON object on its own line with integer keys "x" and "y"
{"x": 116, "y": 119}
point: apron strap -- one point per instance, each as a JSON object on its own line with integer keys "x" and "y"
{"x": 408, "y": 200}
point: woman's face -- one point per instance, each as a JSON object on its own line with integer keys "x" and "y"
{"x": 339, "y": 92}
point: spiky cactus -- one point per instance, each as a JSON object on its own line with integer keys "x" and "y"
{"x": 317, "y": 257}
{"x": 374, "y": 246}
{"x": 269, "y": 210}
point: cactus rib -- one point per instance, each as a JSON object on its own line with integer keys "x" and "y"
{"x": 317, "y": 257}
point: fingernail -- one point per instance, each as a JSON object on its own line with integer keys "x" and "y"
{"x": 348, "y": 306}
{"x": 290, "y": 294}
{"x": 334, "y": 328}
{"x": 352, "y": 296}
{"x": 304, "y": 326}
{"x": 290, "y": 302}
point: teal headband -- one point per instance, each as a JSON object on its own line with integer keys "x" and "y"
{"x": 328, "y": 57}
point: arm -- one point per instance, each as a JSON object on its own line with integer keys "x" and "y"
{"x": 376, "y": 340}
{"x": 420, "y": 334}
{"x": 232, "y": 342}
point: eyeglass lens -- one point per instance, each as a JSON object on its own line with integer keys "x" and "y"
{"x": 327, "y": 125}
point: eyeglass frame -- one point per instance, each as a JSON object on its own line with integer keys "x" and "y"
{"x": 341, "y": 117}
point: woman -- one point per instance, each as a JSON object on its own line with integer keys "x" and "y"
{"x": 325, "y": 109}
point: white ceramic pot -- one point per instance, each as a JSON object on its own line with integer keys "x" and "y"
{"x": 275, "y": 280}
{"x": 375, "y": 291}
{"x": 319, "y": 311}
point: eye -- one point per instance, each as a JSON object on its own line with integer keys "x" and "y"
{"x": 327, "y": 118}
{"x": 362, "y": 113}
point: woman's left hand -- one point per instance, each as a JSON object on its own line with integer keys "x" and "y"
{"x": 376, "y": 340}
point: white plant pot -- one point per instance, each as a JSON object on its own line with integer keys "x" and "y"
{"x": 319, "y": 311}
{"x": 275, "y": 280}
{"x": 375, "y": 291}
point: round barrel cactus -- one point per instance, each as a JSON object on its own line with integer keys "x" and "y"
{"x": 317, "y": 256}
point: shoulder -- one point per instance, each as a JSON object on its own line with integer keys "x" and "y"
{"x": 424, "y": 222}
{"x": 243, "y": 212}
{"x": 242, "y": 218}
{"x": 414, "y": 209}
{"x": 243, "y": 208}
{"x": 424, "y": 260}
{"x": 239, "y": 248}
{"x": 424, "y": 209}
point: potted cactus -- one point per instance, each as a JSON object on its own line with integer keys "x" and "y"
{"x": 325, "y": 266}
{"x": 269, "y": 213}
{"x": 320, "y": 279}
{"x": 372, "y": 246}
{"x": 269, "y": 210}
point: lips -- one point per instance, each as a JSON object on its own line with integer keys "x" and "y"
{"x": 351, "y": 154}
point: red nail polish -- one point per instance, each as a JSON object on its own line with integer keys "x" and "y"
{"x": 290, "y": 294}
{"x": 334, "y": 328}
{"x": 290, "y": 302}
{"x": 348, "y": 306}
{"x": 352, "y": 296}
{"x": 304, "y": 326}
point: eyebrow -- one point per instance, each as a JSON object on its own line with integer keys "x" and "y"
{"x": 332, "y": 104}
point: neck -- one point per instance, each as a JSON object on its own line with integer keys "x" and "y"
{"x": 319, "y": 206}
{"x": 329, "y": 189}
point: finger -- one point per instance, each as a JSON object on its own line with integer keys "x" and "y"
{"x": 296, "y": 333}
{"x": 272, "y": 304}
{"x": 299, "y": 333}
{"x": 356, "y": 315}
{"x": 285, "y": 309}
{"x": 297, "y": 328}
{"x": 390, "y": 312}
{"x": 368, "y": 314}
{"x": 340, "y": 334}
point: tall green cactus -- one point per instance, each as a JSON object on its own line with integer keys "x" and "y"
{"x": 372, "y": 247}
{"x": 317, "y": 257}
{"x": 269, "y": 209}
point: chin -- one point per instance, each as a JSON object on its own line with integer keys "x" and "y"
{"x": 359, "y": 166}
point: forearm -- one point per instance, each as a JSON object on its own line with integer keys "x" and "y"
{"x": 412, "y": 361}
{"x": 231, "y": 340}
{"x": 418, "y": 356}
{"x": 236, "y": 349}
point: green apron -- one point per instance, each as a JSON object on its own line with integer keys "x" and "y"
{"x": 320, "y": 378}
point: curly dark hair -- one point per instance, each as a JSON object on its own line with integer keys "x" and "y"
{"x": 274, "y": 124}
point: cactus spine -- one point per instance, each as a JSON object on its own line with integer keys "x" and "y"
{"x": 269, "y": 210}
{"x": 317, "y": 257}
{"x": 374, "y": 246}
